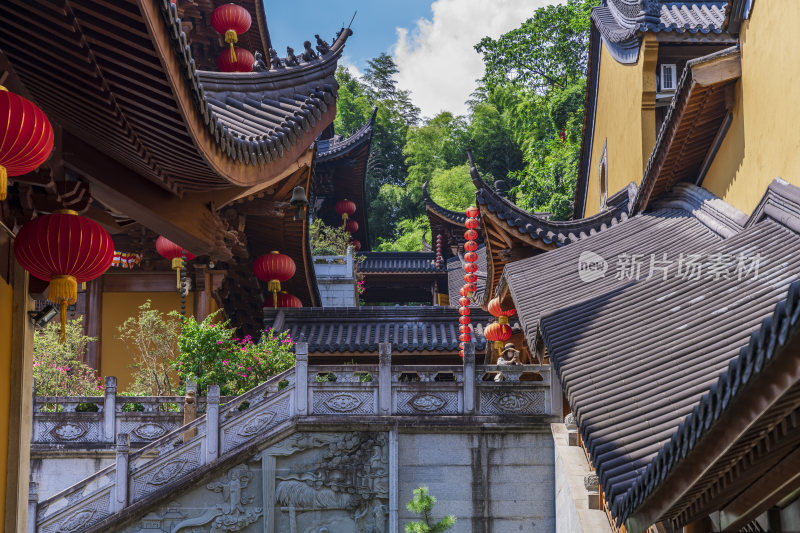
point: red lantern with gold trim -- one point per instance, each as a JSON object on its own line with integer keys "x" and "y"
{"x": 26, "y": 137}
{"x": 231, "y": 21}
{"x": 345, "y": 208}
{"x": 464, "y": 328}
{"x": 470, "y": 278}
{"x": 464, "y": 301}
{"x": 470, "y": 246}
{"x": 463, "y": 310}
{"x": 497, "y": 333}
{"x": 471, "y": 267}
{"x": 243, "y": 62}
{"x": 169, "y": 250}
{"x": 472, "y": 212}
{"x": 274, "y": 268}
{"x": 463, "y": 320}
{"x": 65, "y": 249}
{"x": 464, "y": 337}
{"x": 286, "y": 300}
{"x": 494, "y": 309}
{"x": 471, "y": 223}
{"x": 470, "y": 286}
{"x": 470, "y": 235}
{"x": 470, "y": 257}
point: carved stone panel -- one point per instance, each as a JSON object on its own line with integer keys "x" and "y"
{"x": 67, "y": 429}
{"x": 73, "y": 519}
{"x": 159, "y": 472}
{"x": 255, "y": 422}
{"x": 427, "y": 403}
{"x": 506, "y": 402}
{"x": 344, "y": 402}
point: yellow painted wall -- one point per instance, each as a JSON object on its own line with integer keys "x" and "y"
{"x": 117, "y": 307}
{"x": 6, "y": 301}
{"x": 763, "y": 141}
{"x": 621, "y": 121}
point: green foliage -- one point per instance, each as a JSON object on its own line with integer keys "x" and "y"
{"x": 57, "y": 368}
{"x": 452, "y": 188}
{"x": 328, "y": 240}
{"x": 151, "y": 337}
{"x": 409, "y": 236}
{"x": 422, "y": 504}
{"x": 210, "y": 354}
{"x": 492, "y": 141}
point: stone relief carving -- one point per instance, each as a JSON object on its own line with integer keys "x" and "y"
{"x": 150, "y": 431}
{"x": 68, "y": 431}
{"x": 342, "y": 488}
{"x": 427, "y": 402}
{"x": 343, "y": 403}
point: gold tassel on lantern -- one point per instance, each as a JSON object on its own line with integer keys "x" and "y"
{"x": 274, "y": 286}
{"x": 63, "y": 291}
{"x": 177, "y": 265}
{"x": 498, "y": 345}
{"x": 3, "y": 183}
{"x": 502, "y": 320}
{"x": 344, "y": 218}
{"x": 231, "y": 38}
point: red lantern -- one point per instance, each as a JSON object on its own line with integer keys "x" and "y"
{"x": 471, "y": 223}
{"x": 472, "y": 212}
{"x": 351, "y": 226}
{"x": 470, "y": 278}
{"x": 345, "y": 208}
{"x": 169, "y": 250}
{"x": 65, "y": 249}
{"x": 463, "y": 292}
{"x": 231, "y": 20}
{"x": 494, "y": 309}
{"x": 470, "y": 235}
{"x": 470, "y": 246}
{"x": 498, "y": 333}
{"x": 470, "y": 267}
{"x": 464, "y": 328}
{"x": 356, "y": 245}
{"x": 464, "y": 337}
{"x": 286, "y": 300}
{"x": 464, "y": 301}
{"x": 26, "y": 137}
{"x": 463, "y": 320}
{"x": 274, "y": 268}
{"x": 470, "y": 257}
{"x": 243, "y": 62}
{"x": 463, "y": 310}
{"x": 470, "y": 286}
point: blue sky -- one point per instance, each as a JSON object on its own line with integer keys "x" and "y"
{"x": 291, "y": 23}
{"x": 431, "y": 40}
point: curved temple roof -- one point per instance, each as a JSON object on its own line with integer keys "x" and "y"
{"x": 338, "y": 146}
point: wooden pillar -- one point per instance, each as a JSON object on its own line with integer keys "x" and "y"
{"x": 94, "y": 321}
{"x": 202, "y": 293}
{"x": 20, "y": 405}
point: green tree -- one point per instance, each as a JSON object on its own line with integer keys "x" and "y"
{"x": 58, "y": 369}
{"x": 492, "y": 141}
{"x": 422, "y": 504}
{"x": 452, "y": 188}
{"x": 408, "y": 236}
{"x": 328, "y": 240}
{"x": 151, "y": 338}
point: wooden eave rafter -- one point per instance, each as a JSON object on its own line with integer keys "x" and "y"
{"x": 694, "y": 121}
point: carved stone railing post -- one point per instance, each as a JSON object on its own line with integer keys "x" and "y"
{"x": 469, "y": 378}
{"x": 33, "y": 499}
{"x": 110, "y": 409}
{"x": 301, "y": 379}
{"x": 121, "y": 486}
{"x": 190, "y": 409}
{"x": 385, "y": 378}
{"x": 212, "y": 423}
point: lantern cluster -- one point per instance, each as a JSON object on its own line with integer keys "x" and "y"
{"x": 64, "y": 249}
{"x": 274, "y": 268}
{"x": 439, "y": 250}
{"x": 232, "y": 20}
{"x": 470, "y": 267}
{"x": 499, "y": 331}
{"x": 169, "y": 250}
{"x": 26, "y": 137}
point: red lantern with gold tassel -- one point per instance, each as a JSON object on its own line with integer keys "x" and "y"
{"x": 494, "y": 309}
{"x": 274, "y": 268}
{"x": 169, "y": 250}
{"x": 498, "y": 333}
{"x": 65, "y": 249}
{"x": 286, "y": 300}
{"x": 243, "y": 62}
{"x": 345, "y": 208}
{"x": 231, "y": 21}
{"x": 26, "y": 137}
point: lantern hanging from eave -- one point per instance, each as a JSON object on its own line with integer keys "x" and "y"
{"x": 472, "y": 212}
{"x": 351, "y": 226}
{"x": 356, "y": 244}
{"x": 345, "y": 208}
{"x": 65, "y": 249}
{"x": 286, "y": 300}
{"x": 231, "y": 21}
{"x": 169, "y": 250}
{"x": 494, "y": 309}
{"x": 497, "y": 333}
{"x": 243, "y": 62}
{"x": 274, "y": 268}
{"x": 26, "y": 137}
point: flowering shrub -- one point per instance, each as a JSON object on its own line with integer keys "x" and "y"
{"x": 211, "y": 354}
{"x": 360, "y": 287}
{"x": 57, "y": 368}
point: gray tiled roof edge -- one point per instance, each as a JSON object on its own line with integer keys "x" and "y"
{"x": 331, "y": 148}
{"x": 764, "y": 344}
{"x": 781, "y": 203}
{"x": 455, "y": 216}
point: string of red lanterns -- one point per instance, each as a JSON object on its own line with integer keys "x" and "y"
{"x": 499, "y": 331}
{"x": 439, "y": 250}
{"x": 26, "y": 137}
{"x": 351, "y": 226}
{"x": 274, "y": 268}
{"x": 64, "y": 249}
{"x": 345, "y": 208}
{"x": 470, "y": 267}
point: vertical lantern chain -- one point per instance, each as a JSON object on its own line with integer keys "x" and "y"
{"x": 470, "y": 267}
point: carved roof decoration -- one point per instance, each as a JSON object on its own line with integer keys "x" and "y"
{"x": 361, "y": 329}
{"x": 338, "y": 146}
{"x": 622, "y": 22}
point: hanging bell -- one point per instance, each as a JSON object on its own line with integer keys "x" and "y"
{"x": 299, "y": 200}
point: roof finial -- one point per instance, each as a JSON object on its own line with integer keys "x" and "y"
{"x": 473, "y": 171}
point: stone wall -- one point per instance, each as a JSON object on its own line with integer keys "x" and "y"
{"x": 336, "y": 279}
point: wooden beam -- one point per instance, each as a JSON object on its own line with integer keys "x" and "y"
{"x": 720, "y": 70}
{"x": 20, "y": 405}
{"x": 94, "y": 321}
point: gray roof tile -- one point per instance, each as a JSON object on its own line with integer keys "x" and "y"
{"x": 393, "y": 262}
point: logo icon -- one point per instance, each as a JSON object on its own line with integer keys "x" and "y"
{"x": 591, "y": 266}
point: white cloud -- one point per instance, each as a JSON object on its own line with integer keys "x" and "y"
{"x": 436, "y": 59}
{"x": 351, "y": 67}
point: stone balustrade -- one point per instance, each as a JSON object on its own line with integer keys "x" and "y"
{"x": 169, "y": 450}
